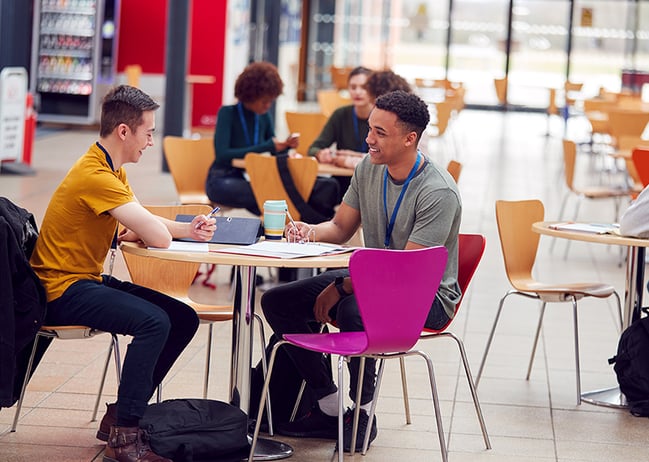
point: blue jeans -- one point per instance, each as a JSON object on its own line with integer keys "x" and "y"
{"x": 161, "y": 327}
{"x": 289, "y": 309}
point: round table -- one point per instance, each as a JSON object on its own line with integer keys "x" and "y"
{"x": 243, "y": 310}
{"x": 634, "y": 287}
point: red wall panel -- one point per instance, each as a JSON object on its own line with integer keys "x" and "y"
{"x": 142, "y": 33}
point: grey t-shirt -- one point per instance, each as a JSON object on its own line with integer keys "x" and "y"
{"x": 429, "y": 215}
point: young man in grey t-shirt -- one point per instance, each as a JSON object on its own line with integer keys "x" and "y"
{"x": 403, "y": 201}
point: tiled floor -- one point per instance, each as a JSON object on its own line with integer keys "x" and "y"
{"x": 505, "y": 156}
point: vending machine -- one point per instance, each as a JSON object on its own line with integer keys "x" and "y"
{"x": 74, "y": 45}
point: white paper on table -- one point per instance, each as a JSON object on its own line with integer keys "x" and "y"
{"x": 595, "y": 228}
{"x": 184, "y": 246}
{"x": 286, "y": 249}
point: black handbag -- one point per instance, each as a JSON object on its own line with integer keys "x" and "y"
{"x": 188, "y": 430}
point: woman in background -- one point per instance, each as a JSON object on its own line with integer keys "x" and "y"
{"x": 242, "y": 128}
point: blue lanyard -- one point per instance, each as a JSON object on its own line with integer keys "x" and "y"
{"x": 108, "y": 159}
{"x": 390, "y": 224}
{"x": 362, "y": 143}
{"x": 245, "y": 126}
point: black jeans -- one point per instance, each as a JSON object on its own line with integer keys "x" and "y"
{"x": 289, "y": 309}
{"x": 161, "y": 327}
{"x": 228, "y": 186}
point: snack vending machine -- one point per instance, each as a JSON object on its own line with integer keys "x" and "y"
{"x": 73, "y": 58}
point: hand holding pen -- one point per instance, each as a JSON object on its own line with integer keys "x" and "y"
{"x": 298, "y": 232}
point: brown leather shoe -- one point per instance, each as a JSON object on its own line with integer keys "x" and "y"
{"x": 125, "y": 444}
{"x": 109, "y": 419}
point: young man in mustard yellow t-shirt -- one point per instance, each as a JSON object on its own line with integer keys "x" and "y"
{"x": 76, "y": 234}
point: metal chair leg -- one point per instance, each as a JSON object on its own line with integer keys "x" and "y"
{"x": 577, "y": 367}
{"x": 113, "y": 349}
{"x": 208, "y": 360}
{"x": 264, "y": 368}
{"x": 536, "y": 340}
{"x": 438, "y": 412}
{"x": 24, "y": 387}
{"x": 404, "y": 387}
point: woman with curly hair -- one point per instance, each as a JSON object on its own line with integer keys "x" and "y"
{"x": 242, "y": 128}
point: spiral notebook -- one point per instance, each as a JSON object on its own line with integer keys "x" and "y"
{"x": 231, "y": 230}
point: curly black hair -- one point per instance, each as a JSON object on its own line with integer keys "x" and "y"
{"x": 409, "y": 108}
{"x": 258, "y": 80}
{"x": 382, "y": 82}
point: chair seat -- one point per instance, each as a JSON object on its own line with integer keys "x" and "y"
{"x": 211, "y": 313}
{"x": 338, "y": 343}
{"x": 563, "y": 292}
{"x": 597, "y": 192}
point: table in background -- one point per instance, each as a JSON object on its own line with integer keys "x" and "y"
{"x": 634, "y": 286}
{"x": 243, "y": 310}
{"x": 323, "y": 169}
{"x": 190, "y": 81}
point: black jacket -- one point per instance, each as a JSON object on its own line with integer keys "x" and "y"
{"x": 22, "y": 298}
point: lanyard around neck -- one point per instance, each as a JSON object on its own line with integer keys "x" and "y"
{"x": 362, "y": 143}
{"x": 245, "y": 126}
{"x": 390, "y": 225}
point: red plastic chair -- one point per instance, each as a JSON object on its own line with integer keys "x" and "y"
{"x": 383, "y": 280}
{"x": 640, "y": 156}
{"x": 470, "y": 250}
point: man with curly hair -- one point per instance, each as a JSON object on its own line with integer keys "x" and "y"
{"x": 404, "y": 201}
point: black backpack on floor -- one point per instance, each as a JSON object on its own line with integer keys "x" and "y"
{"x": 187, "y": 430}
{"x": 632, "y": 366}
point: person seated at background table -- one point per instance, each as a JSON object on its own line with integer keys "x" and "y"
{"x": 79, "y": 228}
{"x": 424, "y": 208}
{"x": 376, "y": 84}
{"x": 245, "y": 127}
{"x": 248, "y": 127}
{"x": 635, "y": 220}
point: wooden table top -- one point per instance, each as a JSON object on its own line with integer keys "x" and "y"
{"x": 323, "y": 169}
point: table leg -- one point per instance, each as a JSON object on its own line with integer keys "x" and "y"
{"x": 244, "y": 310}
{"x": 613, "y": 397}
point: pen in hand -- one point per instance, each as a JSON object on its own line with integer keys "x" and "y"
{"x": 209, "y": 215}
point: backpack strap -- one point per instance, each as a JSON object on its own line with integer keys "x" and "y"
{"x": 307, "y": 212}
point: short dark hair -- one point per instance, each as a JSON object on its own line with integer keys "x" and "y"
{"x": 382, "y": 82}
{"x": 258, "y": 80}
{"x": 409, "y": 108}
{"x": 124, "y": 105}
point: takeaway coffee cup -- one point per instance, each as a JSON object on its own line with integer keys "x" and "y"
{"x": 274, "y": 219}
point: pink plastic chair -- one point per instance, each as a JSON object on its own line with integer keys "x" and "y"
{"x": 470, "y": 250}
{"x": 385, "y": 282}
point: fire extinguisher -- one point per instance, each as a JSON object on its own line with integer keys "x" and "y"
{"x": 30, "y": 129}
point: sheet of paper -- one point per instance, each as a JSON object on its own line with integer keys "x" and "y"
{"x": 595, "y": 228}
{"x": 184, "y": 246}
{"x": 282, "y": 249}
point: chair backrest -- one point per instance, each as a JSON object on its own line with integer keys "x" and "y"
{"x": 470, "y": 250}
{"x": 133, "y": 73}
{"x": 405, "y": 280}
{"x": 501, "y": 90}
{"x": 167, "y": 276}
{"x": 569, "y": 160}
{"x": 627, "y": 122}
{"x": 330, "y": 99}
{"x": 267, "y": 184}
{"x": 340, "y": 76}
{"x": 189, "y": 161}
{"x": 640, "y": 156}
{"x": 518, "y": 242}
{"x": 308, "y": 125}
{"x": 454, "y": 168}
{"x": 443, "y": 110}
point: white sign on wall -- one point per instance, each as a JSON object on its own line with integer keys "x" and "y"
{"x": 13, "y": 93}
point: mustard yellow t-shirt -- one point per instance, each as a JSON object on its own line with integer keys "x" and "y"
{"x": 77, "y": 231}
